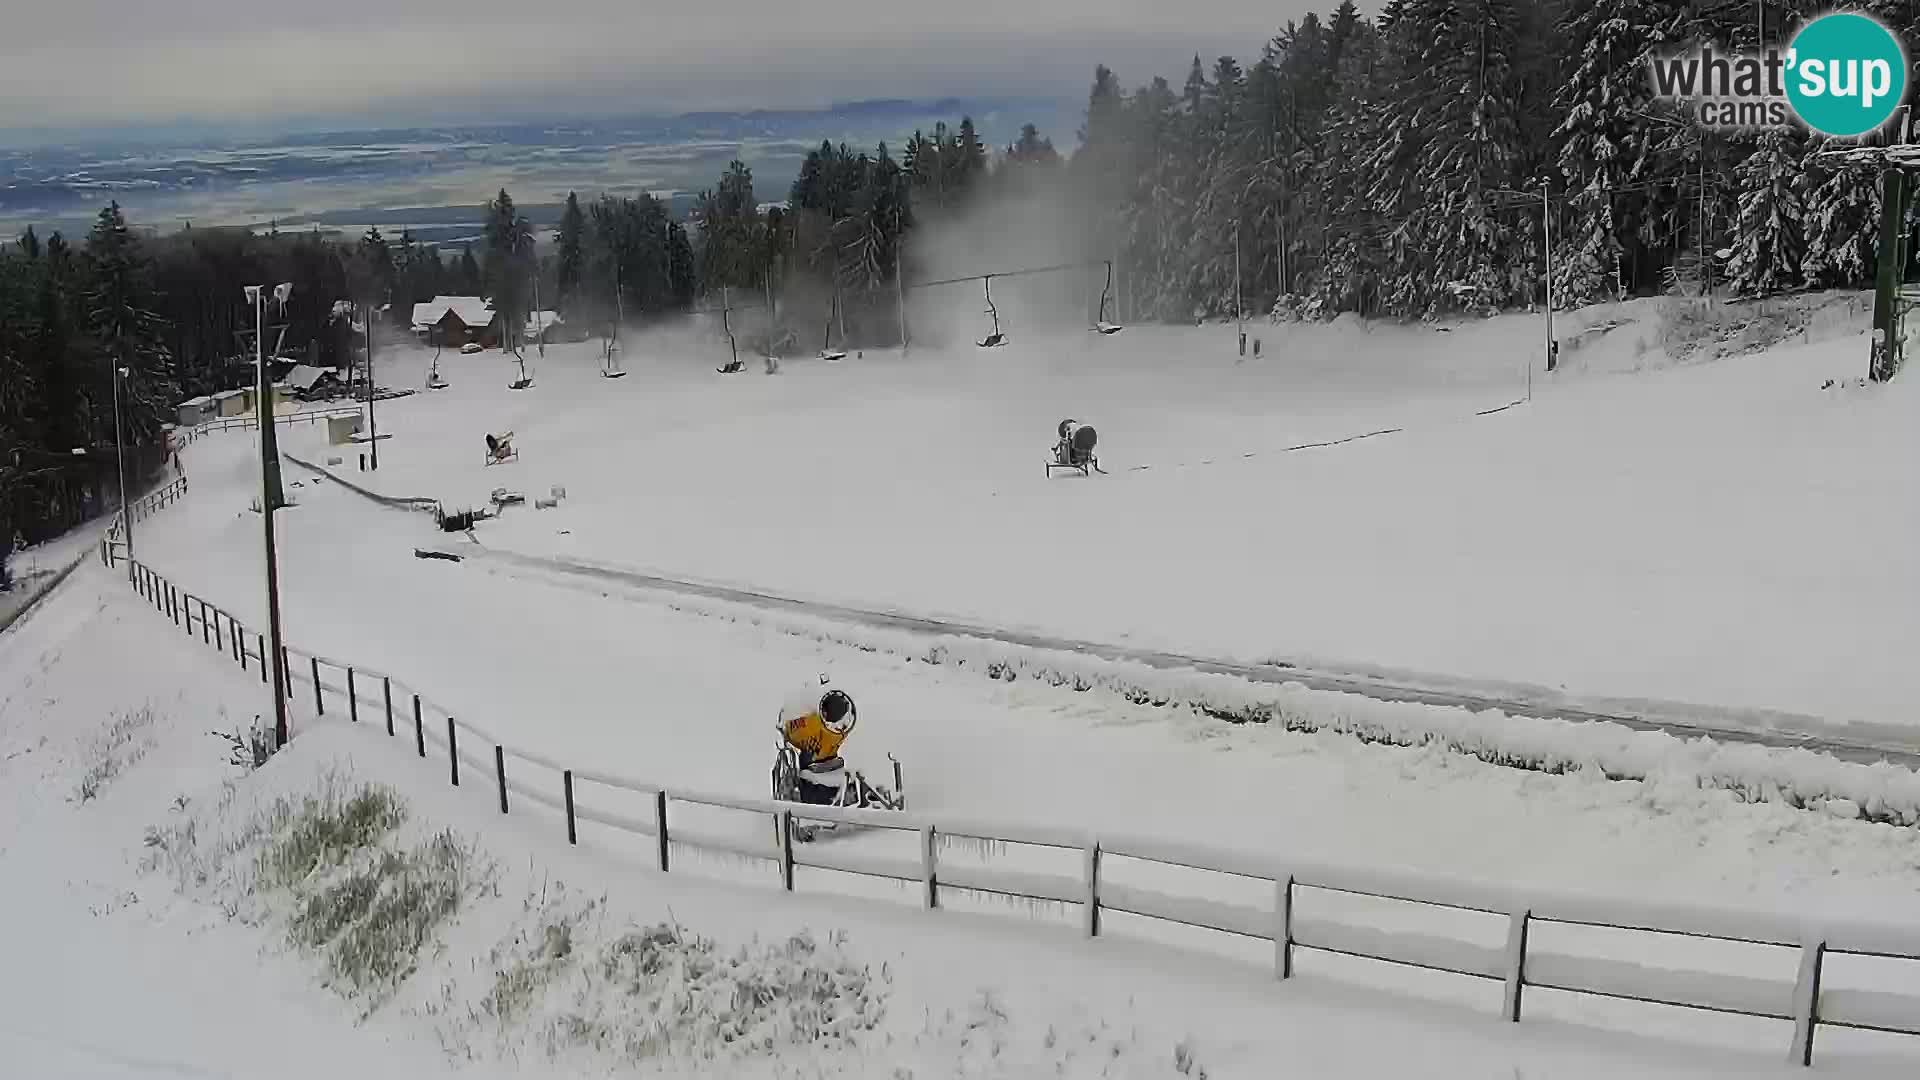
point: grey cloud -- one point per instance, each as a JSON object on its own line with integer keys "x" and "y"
{"x": 78, "y": 62}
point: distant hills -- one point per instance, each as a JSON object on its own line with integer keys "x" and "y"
{"x": 432, "y": 178}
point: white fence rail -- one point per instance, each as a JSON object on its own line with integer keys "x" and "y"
{"x": 520, "y": 778}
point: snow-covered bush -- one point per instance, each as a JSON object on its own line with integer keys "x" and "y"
{"x": 118, "y": 746}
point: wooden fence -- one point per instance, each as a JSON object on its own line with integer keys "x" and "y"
{"x": 520, "y": 778}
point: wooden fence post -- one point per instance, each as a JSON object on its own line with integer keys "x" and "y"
{"x": 419, "y": 729}
{"x": 386, "y": 699}
{"x": 1283, "y": 926}
{"x": 1806, "y": 1002}
{"x": 319, "y": 703}
{"x": 206, "y": 632}
{"x": 566, "y": 787}
{"x": 353, "y": 699}
{"x": 786, "y": 849}
{"x": 453, "y": 751}
{"x": 1516, "y": 963}
{"x": 262, "y": 639}
{"x": 237, "y": 640}
{"x": 500, "y": 773}
{"x": 660, "y": 826}
{"x": 929, "y": 868}
{"x": 219, "y": 637}
{"x": 1093, "y": 888}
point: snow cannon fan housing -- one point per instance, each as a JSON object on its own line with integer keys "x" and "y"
{"x": 1075, "y": 448}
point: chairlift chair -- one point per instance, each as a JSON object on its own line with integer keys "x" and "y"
{"x": 827, "y": 352}
{"x": 996, "y": 338}
{"x": 525, "y": 380}
{"x": 609, "y": 369}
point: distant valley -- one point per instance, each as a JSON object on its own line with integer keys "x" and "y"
{"x": 432, "y": 181}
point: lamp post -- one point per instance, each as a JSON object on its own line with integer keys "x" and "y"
{"x": 120, "y": 456}
{"x": 373, "y": 428}
{"x": 263, "y": 412}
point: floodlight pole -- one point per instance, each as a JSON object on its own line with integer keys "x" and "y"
{"x": 1546, "y": 231}
{"x": 263, "y": 413}
{"x": 373, "y": 428}
{"x": 120, "y": 457}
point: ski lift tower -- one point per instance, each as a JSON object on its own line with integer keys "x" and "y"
{"x": 1898, "y": 160}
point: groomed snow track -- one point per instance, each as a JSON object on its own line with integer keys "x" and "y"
{"x": 1778, "y": 730}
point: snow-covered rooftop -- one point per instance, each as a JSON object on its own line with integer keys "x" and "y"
{"x": 472, "y": 310}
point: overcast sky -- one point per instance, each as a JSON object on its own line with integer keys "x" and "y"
{"x": 78, "y": 63}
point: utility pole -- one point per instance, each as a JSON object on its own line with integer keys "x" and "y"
{"x": 373, "y": 428}
{"x": 900, "y": 296}
{"x": 120, "y": 455}
{"x": 1546, "y": 230}
{"x": 263, "y": 412}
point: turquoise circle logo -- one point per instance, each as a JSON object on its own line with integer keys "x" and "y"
{"x": 1847, "y": 74}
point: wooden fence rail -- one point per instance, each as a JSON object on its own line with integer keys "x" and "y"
{"x": 1517, "y": 964}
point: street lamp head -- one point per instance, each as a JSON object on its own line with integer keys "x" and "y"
{"x": 253, "y": 294}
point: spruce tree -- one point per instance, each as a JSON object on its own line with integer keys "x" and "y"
{"x": 1606, "y": 140}
{"x": 1770, "y": 238}
{"x": 1842, "y": 214}
{"x": 509, "y": 240}
{"x": 573, "y": 227}
{"x": 126, "y": 330}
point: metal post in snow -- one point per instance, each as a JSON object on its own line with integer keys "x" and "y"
{"x": 1093, "y": 888}
{"x": 929, "y": 867}
{"x": 785, "y": 819}
{"x": 660, "y": 826}
{"x": 500, "y": 773}
{"x": 261, "y": 640}
{"x": 1806, "y": 1002}
{"x": 319, "y": 703}
{"x": 353, "y": 700}
{"x": 206, "y": 632}
{"x": 419, "y": 729}
{"x": 453, "y": 751}
{"x": 1283, "y": 926}
{"x": 566, "y": 788}
{"x": 219, "y": 638}
{"x": 1516, "y": 964}
{"x": 386, "y": 699}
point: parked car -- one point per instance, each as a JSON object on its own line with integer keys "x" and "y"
{"x": 471, "y": 347}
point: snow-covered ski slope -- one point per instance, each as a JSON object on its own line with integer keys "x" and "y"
{"x": 113, "y": 973}
{"x": 1726, "y": 533}
{"x": 615, "y": 681}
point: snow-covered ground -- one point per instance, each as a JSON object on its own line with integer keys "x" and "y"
{"x": 117, "y": 969}
{"x": 1715, "y": 532}
{"x": 1726, "y": 533}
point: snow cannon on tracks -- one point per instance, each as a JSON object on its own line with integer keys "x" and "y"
{"x": 808, "y": 769}
{"x": 1074, "y": 450}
